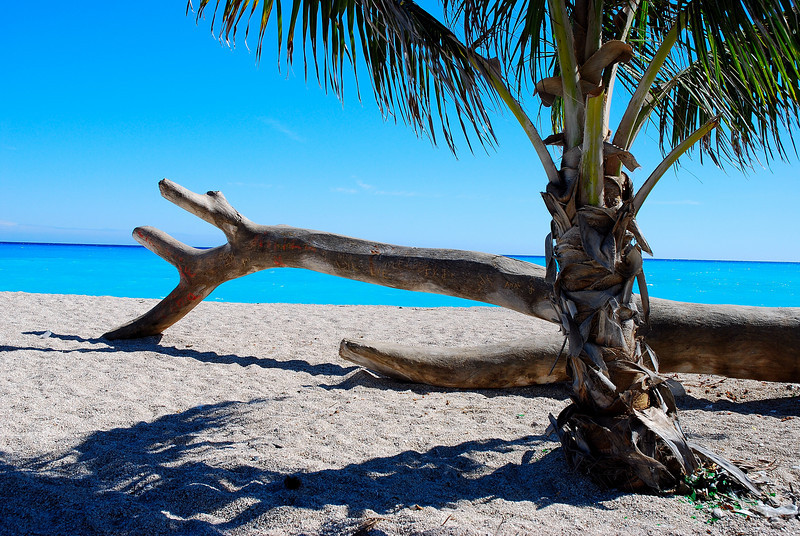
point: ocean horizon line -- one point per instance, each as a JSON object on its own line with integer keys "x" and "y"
{"x": 512, "y": 255}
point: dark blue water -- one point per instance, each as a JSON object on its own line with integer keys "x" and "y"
{"x": 132, "y": 271}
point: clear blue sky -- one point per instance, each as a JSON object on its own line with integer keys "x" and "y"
{"x": 100, "y": 100}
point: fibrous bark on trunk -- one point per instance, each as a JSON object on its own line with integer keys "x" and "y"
{"x": 622, "y": 427}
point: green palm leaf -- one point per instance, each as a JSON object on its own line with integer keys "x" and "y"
{"x": 736, "y": 60}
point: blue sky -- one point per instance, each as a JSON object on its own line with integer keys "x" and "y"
{"x": 101, "y": 102}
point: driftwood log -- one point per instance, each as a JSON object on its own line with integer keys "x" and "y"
{"x": 728, "y": 340}
{"x": 741, "y": 342}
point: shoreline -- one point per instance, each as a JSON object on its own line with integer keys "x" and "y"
{"x": 242, "y": 419}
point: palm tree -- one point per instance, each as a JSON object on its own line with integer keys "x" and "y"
{"x": 719, "y": 76}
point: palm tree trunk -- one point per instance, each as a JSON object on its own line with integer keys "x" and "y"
{"x": 622, "y": 427}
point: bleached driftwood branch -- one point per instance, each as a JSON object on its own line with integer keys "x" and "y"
{"x": 742, "y": 342}
{"x": 757, "y": 343}
{"x": 493, "y": 279}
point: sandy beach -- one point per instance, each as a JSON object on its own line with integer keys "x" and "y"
{"x": 242, "y": 419}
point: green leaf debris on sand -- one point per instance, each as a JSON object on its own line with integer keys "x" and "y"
{"x": 710, "y": 490}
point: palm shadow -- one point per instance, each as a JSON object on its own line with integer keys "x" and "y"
{"x": 179, "y": 474}
{"x": 152, "y": 344}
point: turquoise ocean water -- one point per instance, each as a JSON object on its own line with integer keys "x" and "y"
{"x": 132, "y": 271}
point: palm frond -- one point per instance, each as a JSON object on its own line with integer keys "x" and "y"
{"x": 420, "y": 71}
{"x": 736, "y": 60}
{"x": 518, "y": 32}
{"x": 750, "y": 75}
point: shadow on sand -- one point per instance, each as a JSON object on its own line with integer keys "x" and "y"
{"x": 173, "y": 476}
{"x": 182, "y": 473}
{"x": 152, "y": 344}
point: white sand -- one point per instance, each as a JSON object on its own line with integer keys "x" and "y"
{"x": 196, "y": 433}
